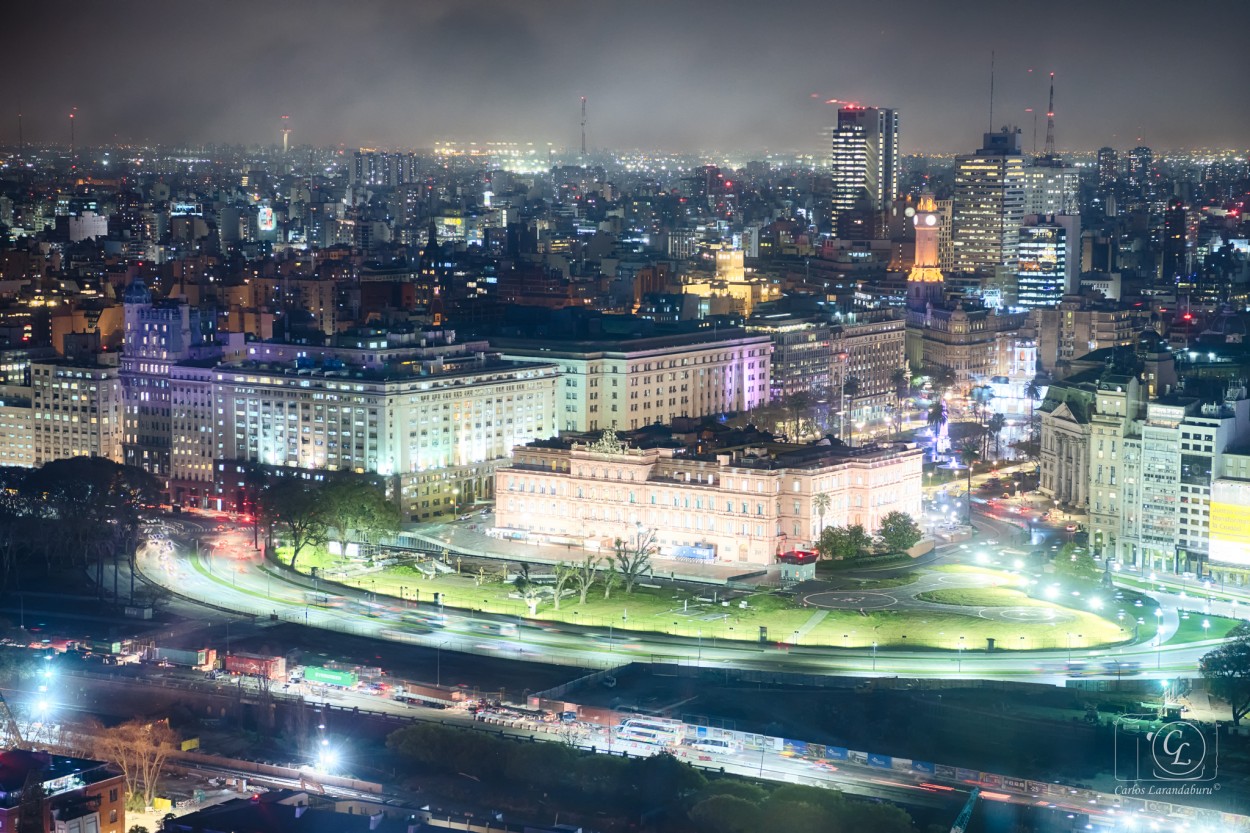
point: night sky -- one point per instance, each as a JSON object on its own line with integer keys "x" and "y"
{"x": 678, "y": 75}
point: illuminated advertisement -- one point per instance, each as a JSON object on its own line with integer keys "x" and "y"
{"x": 265, "y": 219}
{"x": 1230, "y": 522}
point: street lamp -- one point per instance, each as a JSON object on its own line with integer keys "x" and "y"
{"x": 438, "y": 662}
{"x": 959, "y": 660}
{"x": 874, "y": 655}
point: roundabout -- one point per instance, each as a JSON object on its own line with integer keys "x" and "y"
{"x": 834, "y": 627}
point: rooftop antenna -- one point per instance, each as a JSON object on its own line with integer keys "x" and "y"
{"x": 73, "y": 159}
{"x": 1050, "y": 121}
{"x": 21, "y": 143}
{"x": 991, "y": 90}
{"x": 583, "y": 127}
{"x": 286, "y": 134}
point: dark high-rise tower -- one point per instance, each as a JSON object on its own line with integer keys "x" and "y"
{"x": 1140, "y": 162}
{"x": 864, "y": 163}
{"x": 1108, "y": 168}
{"x": 1176, "y": 253}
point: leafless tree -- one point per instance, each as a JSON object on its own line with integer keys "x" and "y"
{"x": 139, "y": 749}
{"x": 632, "y": 558}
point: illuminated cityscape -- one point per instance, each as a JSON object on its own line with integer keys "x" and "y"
{"x": 533, "y": 418}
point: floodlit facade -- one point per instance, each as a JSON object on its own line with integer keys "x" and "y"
{"x": 632, "y": 383}
{"x": 77, "y": 410}
{"x": 438, "y": 430}
{"x": 740, "y": 505}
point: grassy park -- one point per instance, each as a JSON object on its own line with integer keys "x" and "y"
{"x": 705, "y": 614}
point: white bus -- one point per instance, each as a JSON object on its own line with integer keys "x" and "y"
{"x": 657, "y": 730}
{"x": 713, "y": 746}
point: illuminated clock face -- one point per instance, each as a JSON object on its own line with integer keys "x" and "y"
{"x": 930, "y": 220}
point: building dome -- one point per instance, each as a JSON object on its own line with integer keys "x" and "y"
{"x": 1151, "y": 342}
{"x": 137, "y": 293}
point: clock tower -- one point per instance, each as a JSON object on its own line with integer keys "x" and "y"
{"x": 925, "y": 283}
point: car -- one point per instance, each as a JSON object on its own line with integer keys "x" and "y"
{"x": 1070, "y": 527}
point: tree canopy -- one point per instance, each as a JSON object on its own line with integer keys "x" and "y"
{"x": 69, "y": 512}
{"x": 1227, "y": 672}
{"x": 842, "y": 542}
{"x": 898, "y": 532}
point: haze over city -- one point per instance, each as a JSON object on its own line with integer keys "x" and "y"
{"x": 656, "y": 417}
{"x": 658, "y": 75}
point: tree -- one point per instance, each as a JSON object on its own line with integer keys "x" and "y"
{"x": 898, "y": 532}
{"x": 358, "y": 503}
{"x": 585, "y": 574}
{"x": 610, "y": 578}
{"x": 726, "y": 813}
{"x": 821, "y": 503}
{"x": 937, "y": 416}
{"x": 797, "y": 408}
{"x": 1075, "y": 562}
{"x": 901, "y": 380}
{"x": 850, "y": 389}
{"x": 565, "y": 575}
{"x": 996, "y": 424}
{"x": 297, "y": 507}
{"x": 139, "y": 750}
{"x": 633, "y": 559}
{"x": 843, "y": 542}
{"x": 968, "y": 454}
{"x": 1032, "y": 392}
{"x": 530, "y": 590}
{"x": 1227, "y": 672}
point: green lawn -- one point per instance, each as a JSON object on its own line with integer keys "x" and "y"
{"x": 940, "y": 629}
{"x": 1191, "y": 629}
{"x": 978, "y": 597}
{"x": 674, "y": 611}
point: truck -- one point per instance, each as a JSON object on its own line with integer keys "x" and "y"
{"x": 188, "y": 658}
{"x": 257, "y": 665}
{"x": 329, "y": 676}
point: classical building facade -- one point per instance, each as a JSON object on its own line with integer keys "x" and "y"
{"x": 632, "y": 383}
{"x": 874, "y": 347}
{"x": 1065, "y": 431}
{"x": 438, "y": 424}
{"x": 960, "y": 335}
{"x": 734, "y": 505}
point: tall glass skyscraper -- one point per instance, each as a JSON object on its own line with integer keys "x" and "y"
{"x": 864, "y": 163}
{"x": 989, "y": 204}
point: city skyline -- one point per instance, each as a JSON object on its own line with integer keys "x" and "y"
{"x": 655, "y": 76}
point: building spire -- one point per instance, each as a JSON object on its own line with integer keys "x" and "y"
{"x": 1050, "y": 121}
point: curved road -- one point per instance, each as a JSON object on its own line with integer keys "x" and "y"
{"x": 226, "y": 573}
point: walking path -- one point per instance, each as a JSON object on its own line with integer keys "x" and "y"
{"x": 812, "y": 621}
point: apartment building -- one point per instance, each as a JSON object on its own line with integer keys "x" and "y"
{"x": 630, "y": 383}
